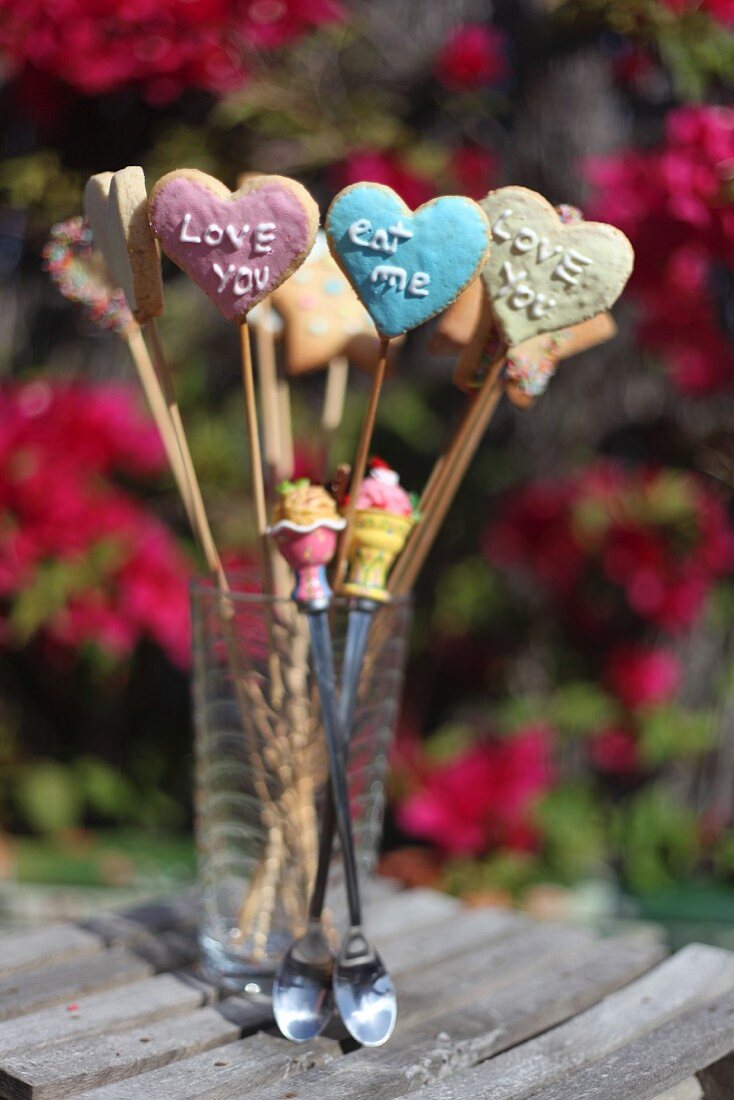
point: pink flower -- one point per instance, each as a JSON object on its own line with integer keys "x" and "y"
{"x": 675, "y": 203}
{"x": 641, "y": 676}
{"x": 615, "y": 751}
{"x": 475, "y": 170}
{"x": 483, "y": 798}
{"x": 120, "y": 574}
{"x": 472, "y": 57}
{"x": 164, "y": 45}
{"x": 374, "y": 166}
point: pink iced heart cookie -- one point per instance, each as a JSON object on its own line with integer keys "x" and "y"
{"x": 236, "y": 245}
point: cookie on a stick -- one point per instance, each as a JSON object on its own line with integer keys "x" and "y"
{"x": 405, "y": 267}
{"x": 116, "y": 204}
{"x": 237, "y": 246}
{"x": 542, "y": 275}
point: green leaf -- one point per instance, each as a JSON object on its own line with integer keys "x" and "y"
{"x": 670, "y": 733}
{"x": 656, "y": 838}
{"x": 56, "y": 582}
{"x": 580, "y": 708}
{"x": 467, "y": 597}
{"x": 572, "y": 831}
{"x": 48, "y": 796}
{"x": 107, "y": 790}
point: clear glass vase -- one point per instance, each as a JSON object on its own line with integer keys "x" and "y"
{"x": 261, "y": 769}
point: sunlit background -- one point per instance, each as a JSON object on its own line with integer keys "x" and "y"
{"x": 567, "y": 738}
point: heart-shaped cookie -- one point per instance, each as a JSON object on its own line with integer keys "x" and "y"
{"x": 116, "y": 205}
{"x": 405, "y": 266}
{"x": 236, "y": 245}
{"x": 543, "y": 275}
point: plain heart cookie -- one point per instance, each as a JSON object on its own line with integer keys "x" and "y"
{"x": 405, "y": 266}
{"x": 116, "y": 205}
{"x": 237, "y": 246}
{"x": 543, "y": 275}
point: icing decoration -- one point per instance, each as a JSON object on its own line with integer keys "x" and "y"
{"x": 116, "y": 205}
{"x": 404, "y": 266}
{"x": 543, "y": 275}
{"x": 323, "y": 317}
{"x": 76, "y": 268}
{"x": 237, "y": 246}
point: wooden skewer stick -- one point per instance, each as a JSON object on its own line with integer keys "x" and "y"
{"x": 332, "y": 411}
{"x": 452, "y": 467}
{"x": 151, "y": 387}
{"x": 256, "y": 465}
{"x": 360, "y": 463}
{"x": 199, "y": 519}
{"x": 268, "y": 379}
{"x": 267, "y": 371}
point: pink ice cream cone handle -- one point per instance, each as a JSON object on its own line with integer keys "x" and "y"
{"x": 308, "y": 550}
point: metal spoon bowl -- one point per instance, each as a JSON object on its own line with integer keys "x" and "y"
{"x": 303, "y": 1000}
{"x": 364, "y": 992}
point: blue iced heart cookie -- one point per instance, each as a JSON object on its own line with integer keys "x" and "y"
{"x": 405, "y": 266}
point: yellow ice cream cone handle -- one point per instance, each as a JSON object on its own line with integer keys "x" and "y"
{"x": 379, "y": 533}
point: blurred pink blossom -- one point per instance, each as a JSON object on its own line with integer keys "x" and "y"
{"x": 164, "y": 45}
{"x": 484, "y": 797}
{"x": 473, "y": 56}
{"x": 615, "y": 751}
{"x": 642, "y": 676}
{"x": 676, "y": 204}
{"x": 376, "y": 166}
{"x": 61, "y": 447}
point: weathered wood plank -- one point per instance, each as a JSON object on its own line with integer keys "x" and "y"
{"x": 138, "y": 1002}
{"x": 93, "y": 1061}
{"x": 471, "y": 929}
{"x": 28, "y": 992}
{"x": 394, "y": 914}
{"x": 461, "y": 980}
{"x": 664, "y": 1057}
{"x": 697, "y": 973}
{"x": 224, "y": 1074}
{"x": 20, "y": 951}
{"x": 686, "y": 1090}
{"x": 553, "y": 989}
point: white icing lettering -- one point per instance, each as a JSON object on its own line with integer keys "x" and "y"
{"x": 545, "y": 252}
{"x": 500, "y": 232}
{"x": 184, "y": 235}
{"x": 418, "y": 283}
{"x": 224, "y": 277}
{"x": 521, "y": 296}
{"x": 213, "y": 234}
{"x": 262, "y": 277}
{"x": 512, "y": 278}
{"x": 264, "y": 237}
{"x": 541, "y": 306}
{"x": 381, "y": 242}
{"x": 525, "y": 239}
{"x": 357, "y": 229}
{"x": 398, "y": 230}
{"x": 393, "y": 276}
{"x": 237, "y": 239}
{"x": 571, "y": 266}
{"x": 243, "y": 282}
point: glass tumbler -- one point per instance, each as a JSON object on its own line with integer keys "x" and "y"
{"x": 261, "y": 769}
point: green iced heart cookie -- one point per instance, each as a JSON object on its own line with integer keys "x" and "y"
{"x": 543, "y": 275}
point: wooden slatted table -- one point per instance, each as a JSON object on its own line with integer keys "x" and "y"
{"x": 491, "y": 1004}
